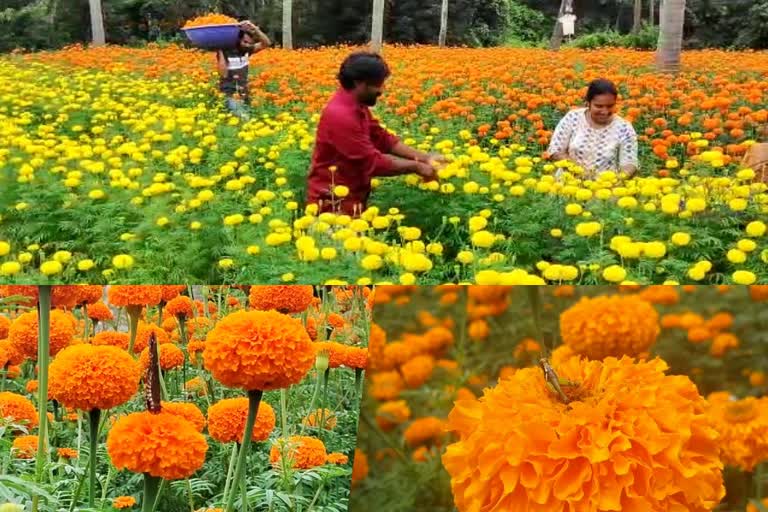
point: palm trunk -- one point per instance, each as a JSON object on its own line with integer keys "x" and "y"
{"x": 97, "y": 23}
{"x": 557, "y": 33}
{"x": 671, "y": 36}
{"x": 638, "y": 16}
{"x": 443, "y": 23}
{"x": 377, "y": 28}
{"x": 652, "y": 4}
{"x": 288, "y": 24}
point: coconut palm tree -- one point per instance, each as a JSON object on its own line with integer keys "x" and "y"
{"x": 638, "y": 16}
{"x": 288, "y": 24}
{"x": 377, "y": 29}
{"x": 443, "y": 23}
{"x": 97, "y": 23}
{"x": 557, "y": 34}
{"x": 670, "y": 36}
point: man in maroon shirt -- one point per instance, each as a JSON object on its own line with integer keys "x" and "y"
{"x": 351, "y": 148}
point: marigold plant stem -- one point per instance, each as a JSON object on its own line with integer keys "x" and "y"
{"x": 134, "y": 312}
{"x": 94, "y": 415}
{"x": 254, "y": 398}
{"x": 312, "y": 403}
{"x": 85, "y": 323}
{"x": 284, "y": 409}
{"x": 232, "y": 461}
{"x": 151, "y": 491}
{"x": 43, "y": 342}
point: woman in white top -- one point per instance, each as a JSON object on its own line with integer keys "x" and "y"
{"x": 594, "y": 137}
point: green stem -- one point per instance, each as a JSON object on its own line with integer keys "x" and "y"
{"x": 317, "y": 495}
{"x": 43, "y": 354}
{"x": 284, "y": 411}
{"x": 151, "y": 492}
{"x": 106, "y": 485}
{"x": 191, "y": 496}
{"x": 312, "y": 403}
{"x": 134, "y": 312}
{"x": 159, "y": 493}
{"x": 254, "y": 398}
{"x": 230, "y": 471}
{"x": 85, "y": 323}
{"x": 94, "y": 416}
{"x": 359, "y": 382}
{"x": 244, "y": 492}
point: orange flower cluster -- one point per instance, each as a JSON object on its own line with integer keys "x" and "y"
{"x": 24, "y": 330}
{"x": 186, "y": 410}
{"x": 18, "y": 409}
{"x": 283, "y": 298}
{"x": 359, "y": 466}
{"x": 99, "y": 312}
{"x": 743, "y": 428}
{"x": 181, "y": 307}
{"x": 304, "y": 452}
{"x": 22, "y": 291}
{"x": 343, "y": 355}
{"x": 163, "y": 445}
{"x": 132, "y": 295}
{"x": 210, "y": 19}
{"x": 227, "y": 418}
{"x": 759, "y": 293}
{"x": 520, "y": 447}
{"x": 171, "y": 357}
{"x": 90, "y": 377}
{"x": 327, "y": 416}
{"x": 67, "y": 453}
{"x": 24, "y": 447}
{"x": 425, "y": 430}
{"x": 660, "y": 294}
{"x": 258, "y": 350}
{"x": 122, "y": 502}
{"x": 171, "y": 291}
{"x": 701, "y": 330}
{"x": 71, "y": 296}
{"x": 391, "y": 414}
{"x": 115, "y": 339}
{"x": 337, "y": 458}
{"x": 607, "y": 326}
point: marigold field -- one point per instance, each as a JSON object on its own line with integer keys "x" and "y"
{"x": 119, "y": 165}
{"x": 563, "y": 398}
{"x": 175, "y": 398}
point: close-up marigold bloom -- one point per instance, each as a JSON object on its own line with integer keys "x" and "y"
{"x": 283, "y": 298}
{"x": 424, "y": 431}
{"x": 629, "y": 438}
{"x": 186, "y": 410}
{"x": 134, "y": 295}
{"x": 100, "y": 312}
{"x": 196, "y": 385}
{"x": 163, "y": 445}
{"x": 10, "y": 354}
{"x": 660, "y": 294}
{"x": 24, "y": 447}
{"x": 195, "y": 348}
{"x": 171, "y": 291}
{"x": 326, "y": 416}
{"x": 488, "y": 294}
{"x": 337, "y": 458}
{"x": 227, "y": 417}
{"x": 90, "y": 377}
{"x": 391, "y": 414}
{"x": 417, "y": 371}
{"x": 258, "y": 350}
{"x": 719, "y": 321}
{"x": 606, "y": 326}
{"x": 377, "y": 341}
{"x": 181, "y": 306}
{"x": 18, "y": 409}
{"x": 359, "y": 466}
{"x": 67, "y": 453}
{"x": 5, "y": 324}
{"x": 743, "y": 428}
{"x": 304, "y": 452}
{"x": 24, "y": 330}
{"x": 115, "y": 339}
{"x": 122, "y": 502}
{"x": 171, "y": 357}
{"x": 71, "y": 296}
{"x": 386, "y": 385}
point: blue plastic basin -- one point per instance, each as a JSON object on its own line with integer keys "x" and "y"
{"x": 211, "y": 37}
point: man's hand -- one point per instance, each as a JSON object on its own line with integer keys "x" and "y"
{"x": 426, "y": 171}
{"x": 438, "y": 157}
{"x": 248, "y": 26}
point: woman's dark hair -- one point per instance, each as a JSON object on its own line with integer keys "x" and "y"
{"x": 599, "y": 87}
{"x": 363, "y": 67}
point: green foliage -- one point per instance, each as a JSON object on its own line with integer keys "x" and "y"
{"x": 646, "y": 39}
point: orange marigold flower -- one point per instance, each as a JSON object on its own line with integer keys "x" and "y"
{"x": 198, "y": 327}
{"x": 90, "y": 377}
{"x": 233, "y": 302}
{"x": 112, "y": 338}
{"x": 488, "y": 294}
{"x": 195, "y": 348}
{"x": 327, "y": 416}
{"x": 757, "y": 379}
{"x": 170, "y": 324}
{"x": 720, "y": 321}
{"x": 520, "y": 446}
{"x": 722, "y": 343}
{"x": 699, "y": 334}
{"x": 758, "y": 292}
{"x": 478, "y": 330}
{"x": 182, "y": 306}
{"x": 30, "y": 292}
{"x": 743, "y": 428}
{"x": 377, "y": 341}
{"x": 71, "y": 296}
{"x": 196, "y": 385}
{"x": 122, "y": 502}
{"x": 418, "y": 370}
{"x": 162, "y": 445}
{"x": 89, "y": 294}
{"x": 24, "y": 447}
{"x": 282, "y": 298}
{"x": 336, "y": 320}
{"x": 689, "y": 320}
{"x": 143, "y": 333}
{"x": 391, "y": 414}
{"x": 337, "y": 458}
{"x": 10, "y": 354}
{"x": 171, "y": 357}
{"x": 424, "y": 430}
{"x": 133, "y": 295}
{"x": 359, "y": 466}
{"x": 355, "y": 357}
{"x": 526, "y": 348}
{"x": 565, "y": 290}
{"x": 19, "y": 409}
{"x": 170, "y": 292}
{"x": 23, "y": 332}
{"x": 386, "y": 385}
{"x": 5, "y": 324}
{"x": 660, "y": 294}
{"x": 303, "y": 451}
{"x": 186, "y": 410}
{"x": 100, "y": 312}
{"x": 258, "y": 350}
{"x": 420, "y": 454}
{"x": 210, "y": 19}
{"x": 31, "y": 386}
{"x": 606, "y": 326}
{"x": 671, "y": 321}
{"x": 438, "y": 338}
{"x": 227, "y": 417}
{"x": 67, "y": 453}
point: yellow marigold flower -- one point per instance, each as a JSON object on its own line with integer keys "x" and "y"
{"x": 519, "y": 435}
{"x": 610, "y": 326}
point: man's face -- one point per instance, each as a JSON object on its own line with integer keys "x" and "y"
{"x": 368, "y": 94}
{"x": 247, "y": 42}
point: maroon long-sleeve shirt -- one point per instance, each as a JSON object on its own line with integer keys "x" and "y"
{"x": 352, "y": 141}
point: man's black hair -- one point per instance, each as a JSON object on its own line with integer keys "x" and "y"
{"x": 599, "y": 87}
{"x": 363, "y": 67}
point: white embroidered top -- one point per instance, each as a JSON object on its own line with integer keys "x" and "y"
{"x": 597, "y": 150}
